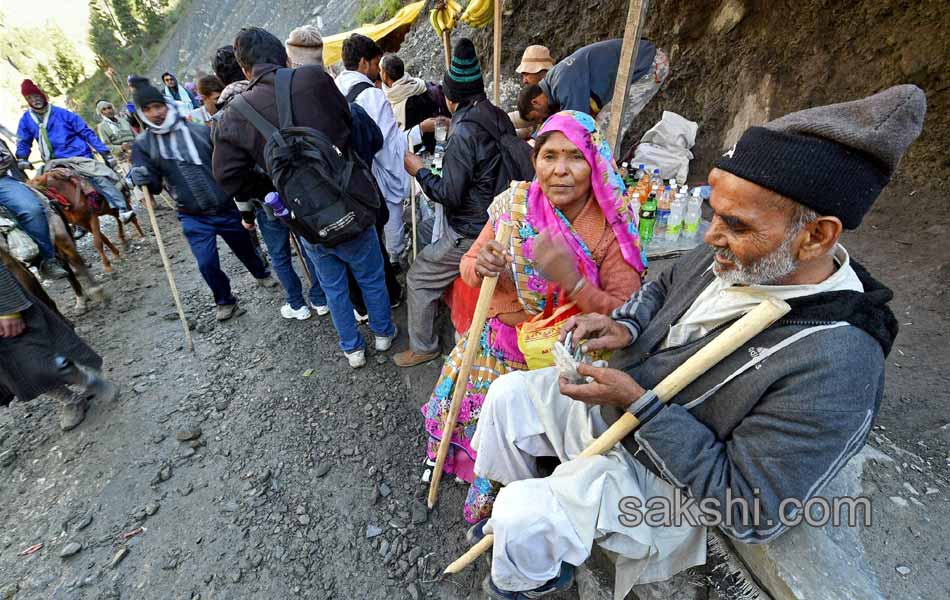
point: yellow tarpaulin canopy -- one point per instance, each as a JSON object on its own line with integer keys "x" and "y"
{"x": 333, "y": 45}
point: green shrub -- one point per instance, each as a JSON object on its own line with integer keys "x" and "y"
{"x": 377, "y": 11}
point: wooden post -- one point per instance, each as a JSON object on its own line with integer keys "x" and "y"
{"x": 751, "y": 324}
{"x": 471, "y": 348}
{"x": 303, "y": 260}
{"x": 628, "y": 58}
{"x": 496, "y": 55}
{"x": 447, "y": 45}
{"x": 149, "y": 206}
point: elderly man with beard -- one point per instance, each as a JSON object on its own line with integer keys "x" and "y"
{"x": 173, "y": 150}
{"x": 775, "y": 420}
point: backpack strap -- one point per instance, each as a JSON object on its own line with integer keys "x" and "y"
{"x": 282, "y": 93}
{"x": 357, "y": 89}
{"x": 256, "y": 119}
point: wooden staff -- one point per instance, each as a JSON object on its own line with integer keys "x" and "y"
{"x": 628, "y": 58}
{"x": 447, "y": 45}
{"x": 303, "y": 260}
{"x": 751, "y": 324}
{"x": 485, "y": 293}
{"x": 149, "y": 206}
{"x": 412, "y": 200}
{"x": 496, "y": 55}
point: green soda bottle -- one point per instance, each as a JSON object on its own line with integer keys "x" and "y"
{"x": 647, "y": 219}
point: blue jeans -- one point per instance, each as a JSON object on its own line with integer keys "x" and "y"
{"x": 365, "y": 260}
{"x": 28, "y": 212}
{"x": 277, "y": 239}
{"x": 201, "y": 231}
{"x": 111, "y": 193}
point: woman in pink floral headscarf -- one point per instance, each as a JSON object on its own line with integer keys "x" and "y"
{"x": 573, "y": 238}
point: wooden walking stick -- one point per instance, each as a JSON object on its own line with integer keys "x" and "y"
{"x": 149, "y": 206}
{"x": 412, "y": 200}
{"x": 751, "y": 324}
{"x": 485, "y": 293}
{"x": 303, "y": 260}
{"x": 496, "y": 55}
{"x": 447, "y": 45}
{"x": 628, "y": 58}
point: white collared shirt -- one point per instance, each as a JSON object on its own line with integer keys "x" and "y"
{"x": 388, "y": 163}
{"x": 721, "y": 301}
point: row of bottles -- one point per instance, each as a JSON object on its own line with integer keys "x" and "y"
{"x": 666, "y": 212}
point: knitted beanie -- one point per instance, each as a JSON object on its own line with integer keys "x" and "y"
{"x": 464, "y": 79}
{"x": 28, "y": 88}
{"x": 144, "y": 93}
{"x": 305, "y": 46}
{"x": 833, "y": 159}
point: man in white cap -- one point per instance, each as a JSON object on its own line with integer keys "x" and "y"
{"x": 304, "y": 46}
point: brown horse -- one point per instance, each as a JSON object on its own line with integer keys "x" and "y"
{"x": 77, "y": 272}
{"x": 83, "y": 207}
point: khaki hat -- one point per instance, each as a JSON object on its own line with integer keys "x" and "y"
{"x": 535, "y": 59}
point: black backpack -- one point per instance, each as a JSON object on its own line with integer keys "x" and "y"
{"x": 366, "y": 135}
{"x": 316, "y": 181}
{"x": 515, "y": 152}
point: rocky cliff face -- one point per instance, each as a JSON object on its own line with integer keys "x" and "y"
{"x": 209, "y": 24}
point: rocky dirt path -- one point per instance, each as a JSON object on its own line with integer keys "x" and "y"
{"x": 227, "y": 473}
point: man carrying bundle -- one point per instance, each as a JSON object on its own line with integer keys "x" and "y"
{"x": 775, "y": 420}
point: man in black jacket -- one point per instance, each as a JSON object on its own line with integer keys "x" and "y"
{"x": 472, "y": 175}
{"x": 239, "y": 148}
{"x": 179, "y": 152}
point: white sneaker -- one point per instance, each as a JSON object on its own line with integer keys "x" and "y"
{"x": 321, "y": 310}
{"x": 301, "y": 314}
{"x": 126, "y": 215}
{"x": 360, "y": 318}
{"x": 384, "y": 343}
{"x": 357, "y": 358}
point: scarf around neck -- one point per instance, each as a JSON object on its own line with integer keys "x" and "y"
{"x": 402, "y": 90}
{"x": 174, "y": 138}
{"x": 41, "y": 120}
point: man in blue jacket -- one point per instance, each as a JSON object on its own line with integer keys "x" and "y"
{"x": 63, "y": 134}
{"x": 178, "y": 152}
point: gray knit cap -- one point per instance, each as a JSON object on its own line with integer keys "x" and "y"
{"x": 834, "y": 159}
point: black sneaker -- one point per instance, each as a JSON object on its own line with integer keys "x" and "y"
{"x": 476, "y": 532}
{"x": 561, "y": 583}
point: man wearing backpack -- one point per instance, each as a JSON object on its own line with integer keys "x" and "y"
{"x": 347, "y": 188}
{"x": 178, "y": 152}
{"x": 361, "y": 56}
{"x": 476, "y": 167}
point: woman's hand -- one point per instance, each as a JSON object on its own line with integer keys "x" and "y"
{"x": 611, "y": 387}
{"x": 596, "y": 332}
{"x": 555, "y": 261}
{"x": 492, "y": 260}
{"x": 413, "y": 163}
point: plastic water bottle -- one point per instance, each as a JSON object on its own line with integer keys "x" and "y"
{"x": 694, "y": 213}
{"x": 272, "y": 199}
{"x": 647, "y": 220}
{"x": 663, "y": 202}
{"x": 641, "y": 171}
{"x": 674, "y": 223}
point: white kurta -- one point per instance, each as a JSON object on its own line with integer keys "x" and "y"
{"x": 540, "y": 522}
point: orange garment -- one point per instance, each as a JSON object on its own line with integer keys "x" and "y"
{"x": 618, "y": 279}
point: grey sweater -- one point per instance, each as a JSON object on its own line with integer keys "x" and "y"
{"x": 776, "y": 419}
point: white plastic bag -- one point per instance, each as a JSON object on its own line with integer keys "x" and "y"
{"x": 22, "y": 246}
{"x": 666, "y": 146}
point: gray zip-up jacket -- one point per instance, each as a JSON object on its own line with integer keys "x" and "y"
{"x": 776, "y": 419}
